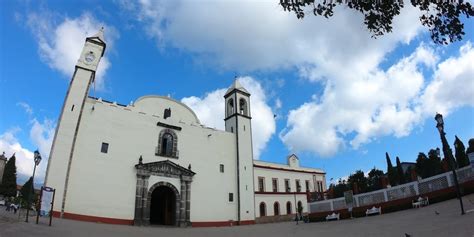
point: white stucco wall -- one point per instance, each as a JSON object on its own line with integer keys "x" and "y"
{"x": 104, "y": 184}
{"x": 270, "y": 199}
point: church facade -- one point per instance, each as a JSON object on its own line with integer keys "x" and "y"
{"x": 153, "y": 162}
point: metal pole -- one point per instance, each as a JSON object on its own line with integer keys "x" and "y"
{"x": 449, "y": 154}
{"x": 29, "y": 194}
{"x": 38, "y": 207}
{"x": 51, "y": 211}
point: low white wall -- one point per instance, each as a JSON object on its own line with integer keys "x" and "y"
{"x": 437, "y": 182}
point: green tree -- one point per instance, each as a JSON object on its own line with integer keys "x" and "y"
{"x": 340, "y": 188}
{"x": 374, "y": 181}
{"x": 26, "y": 191}
{"x": 435, "y": 166}
{"x": 445, "y": 165}
{"x": 391, "y": 172}
{"x": 460, "y": 153}
{"x": 8, "y": 187}
{"x": 400, "y": 174}
{"x": 360, "y": 180}
{"x": 408, "y": 177}
{"x": 442, "y": 18}
{"x": 422, "y": 165}
{"x": 470, "y": 149}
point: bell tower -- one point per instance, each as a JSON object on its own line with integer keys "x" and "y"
{"x": 238, "y": 121}
{"x": 62, "y": 149}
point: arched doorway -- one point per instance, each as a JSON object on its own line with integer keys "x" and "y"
{"x": 276, "y": 209}
{"x": 288, "y": 207}
{"x": 263, "y": 209}
{"x": 163, "y": 206}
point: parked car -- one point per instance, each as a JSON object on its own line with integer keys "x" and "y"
{"x": 2, "y": 202}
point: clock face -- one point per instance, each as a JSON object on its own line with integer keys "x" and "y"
{"x": 90, "y": 57}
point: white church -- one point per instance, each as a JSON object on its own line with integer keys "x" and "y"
{"x": 153, "y": 162}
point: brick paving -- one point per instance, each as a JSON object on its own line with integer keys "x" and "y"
{"x": 415, "y": 222}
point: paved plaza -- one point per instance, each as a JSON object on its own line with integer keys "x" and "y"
{"x": 415, "y": 222}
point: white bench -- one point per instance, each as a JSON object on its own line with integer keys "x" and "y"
{"x": 333, "y": 216}
{"x": 373, "y": 210}
{"x": 420, "y": 202}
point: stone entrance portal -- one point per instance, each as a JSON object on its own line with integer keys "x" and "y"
{"x": 162, "y": 204}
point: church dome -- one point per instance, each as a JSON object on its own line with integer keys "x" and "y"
{"x": 154, "y": 104}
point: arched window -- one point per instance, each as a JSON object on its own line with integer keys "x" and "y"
{"x": 263, "y": 209}
{"x": 276, "y": 208}
{"x": 243, "y": 106}
{"x": 167, "y": 144}
{"x": 288, "y": 207}
{"x": 230, "y": 107}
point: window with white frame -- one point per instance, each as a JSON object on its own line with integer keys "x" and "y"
{"x": 261, "y": 184}
{"x": 275, "y": 185}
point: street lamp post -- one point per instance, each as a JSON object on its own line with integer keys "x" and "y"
{"x": 296, "y": 208}
{"x": 37, "y": 159}
{"x": 448, "y": 153}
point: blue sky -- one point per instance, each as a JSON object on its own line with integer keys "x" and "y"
{"x": 342, "y": 98}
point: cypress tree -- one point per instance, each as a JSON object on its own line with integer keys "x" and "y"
{"x": 460, "y": 153}
{"x": 400, "y": 174}
{"x": 8, "y": 187}
{"x": 391, "y": 173}
{"x": 26, "y": 191}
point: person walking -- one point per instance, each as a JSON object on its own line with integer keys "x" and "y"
{"x": 300, "y": 212}
{"x": 7, "y": 203}
{"x": 14, "y": 207}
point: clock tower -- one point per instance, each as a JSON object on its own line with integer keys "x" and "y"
{"x": 62, "y": 150}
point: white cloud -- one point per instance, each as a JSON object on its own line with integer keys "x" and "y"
{"x": 249, "y": 35}
{"x": 60, "y": 45}
{"x": 210, "y": 110}
{"x": 278, "y": 103}
{"x": 205, "y": 108}
{"x": 26, "y": 107}
{"x": 24, "y": 157}
{"x": 382, "y": 103}
{"x": 378, "y": 104}
{"x": 41, "y": 136}
{"x": 360, "y": 102}
{"x": 246, "y": 35}
{"x": 453, "y": 84}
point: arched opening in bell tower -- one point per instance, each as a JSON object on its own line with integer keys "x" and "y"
{"x": 243, "y": 107}
{"x": 230, "y": 107}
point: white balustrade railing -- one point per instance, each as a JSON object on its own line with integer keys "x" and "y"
{"x": 434, "y": 183}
